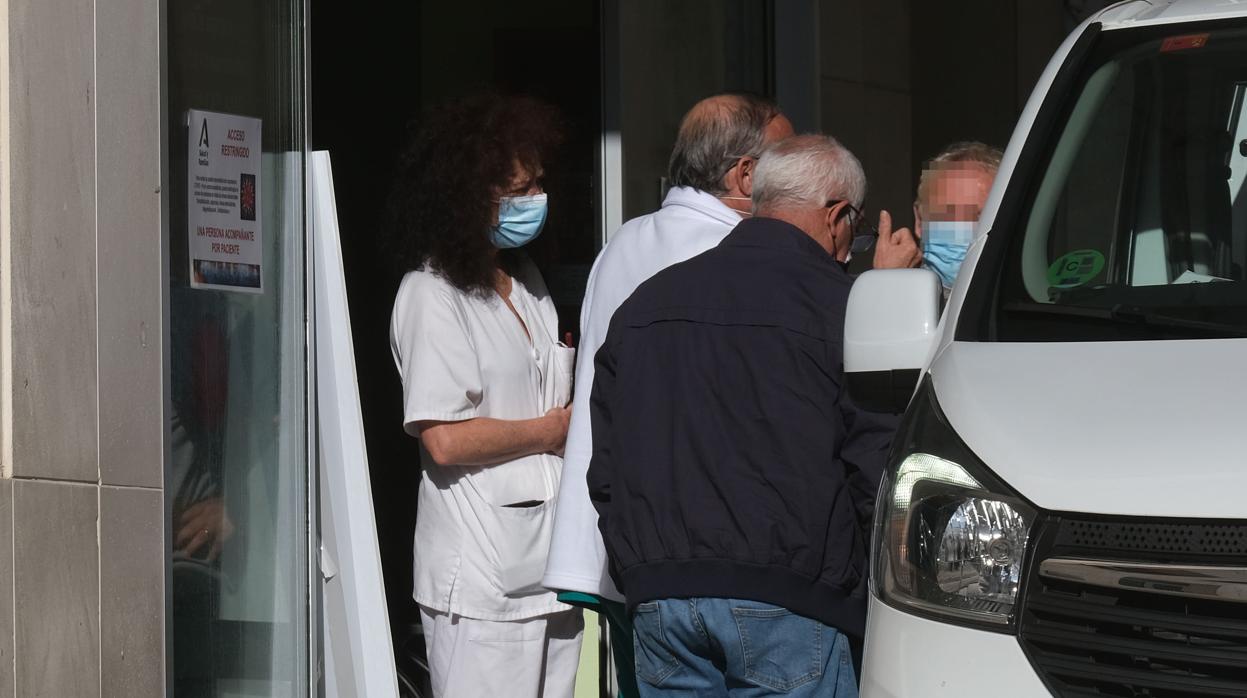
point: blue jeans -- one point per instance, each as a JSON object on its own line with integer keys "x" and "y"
{"x": 744, "y": 649}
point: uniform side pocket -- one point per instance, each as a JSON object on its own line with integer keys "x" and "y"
{"x": 521, "y": 538}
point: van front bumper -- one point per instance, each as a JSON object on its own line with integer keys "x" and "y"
{"x": 911, "y": 657}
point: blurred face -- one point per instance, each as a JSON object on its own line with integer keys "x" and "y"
{"x": 955, "y": 192}
{"x": 950, "y": 202}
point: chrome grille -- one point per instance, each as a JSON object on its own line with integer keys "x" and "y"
{"x": 1138, "y": 609}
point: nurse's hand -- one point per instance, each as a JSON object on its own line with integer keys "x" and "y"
{"x": 558, "y": 419}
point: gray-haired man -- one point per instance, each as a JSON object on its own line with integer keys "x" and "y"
{"x": 711, "y": 174}
{"x": 733, "y": 480}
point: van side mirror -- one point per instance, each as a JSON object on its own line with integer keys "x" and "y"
{"x": 889, "y": 331}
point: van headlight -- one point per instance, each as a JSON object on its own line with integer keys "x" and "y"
{"x": 950, "y": 538}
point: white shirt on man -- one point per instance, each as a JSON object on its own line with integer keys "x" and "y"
{"x": 689, "y": 223}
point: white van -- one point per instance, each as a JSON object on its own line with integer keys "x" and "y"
{"x": 1065, "y": 508}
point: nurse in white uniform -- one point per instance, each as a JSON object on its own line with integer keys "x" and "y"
{"x": 485, "y": 384}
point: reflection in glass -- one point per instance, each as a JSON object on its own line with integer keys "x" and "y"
{"x": 237, "y": 473}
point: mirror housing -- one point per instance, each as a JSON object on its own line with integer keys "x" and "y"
{"x": 890, "y": 329}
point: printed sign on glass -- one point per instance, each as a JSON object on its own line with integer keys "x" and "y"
{"x": 224, "y": 202}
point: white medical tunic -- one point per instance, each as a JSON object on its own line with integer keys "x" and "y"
{"x": 462, "y": 356}
{"x": 689, "y": 223}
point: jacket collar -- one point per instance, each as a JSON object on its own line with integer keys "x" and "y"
{"x": 776, "y": 234}
{"x": 701, "y": 202}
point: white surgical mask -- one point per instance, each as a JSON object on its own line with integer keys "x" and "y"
{"x": 944, "y": 245}
{"x": 520, "y": 220}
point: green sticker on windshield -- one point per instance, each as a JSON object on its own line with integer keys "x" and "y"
{"x": 1075, "y": 268}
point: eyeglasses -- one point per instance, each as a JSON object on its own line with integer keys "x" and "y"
{"x": 863, "y": 241}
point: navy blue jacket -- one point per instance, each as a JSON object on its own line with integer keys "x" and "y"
{"x": 727, "y": 459}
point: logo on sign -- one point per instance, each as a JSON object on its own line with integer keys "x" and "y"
{"x": 203, "y": 144}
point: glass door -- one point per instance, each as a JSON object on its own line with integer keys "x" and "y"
{"x": 237, "y": 475}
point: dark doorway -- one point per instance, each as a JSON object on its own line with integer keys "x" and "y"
{"x": 372, "y": 73}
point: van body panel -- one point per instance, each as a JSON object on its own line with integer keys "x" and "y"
{"x": 1141, "y": 13}
{"x": 920, "y": 657}
{"x": 1118, "y": 428}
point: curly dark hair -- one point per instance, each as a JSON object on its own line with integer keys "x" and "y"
{"x": 459, "y": 155}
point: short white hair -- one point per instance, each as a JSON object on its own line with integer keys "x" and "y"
{"x": 807, "y": 171}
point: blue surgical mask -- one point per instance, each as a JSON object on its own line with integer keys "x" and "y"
{"x": 944, "y": 245}
{"x": 520, "y": 219}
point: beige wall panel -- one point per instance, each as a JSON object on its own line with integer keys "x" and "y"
{"x": 672, "y": 54}
{"x": 875, "y": 124}
{"x": 867, "y": 41}
{"x": 132, "y": 592}
{"x": 887, "y": 45}
{"x": 7, "y": 689}
{"x": 129, "y": 265}
{"x": 52, "y": 228}
{"x": 843, "y": 117}
{"x": 842, "y": 39}
{"x": 892, "y": 184}
{"x": 56, "y": 589}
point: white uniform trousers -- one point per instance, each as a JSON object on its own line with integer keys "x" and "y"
{"x": 530, "y": 658}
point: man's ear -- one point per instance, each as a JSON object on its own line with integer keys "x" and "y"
{"x": 917, "y": 222}
{"x": 834, "y": 215}
{"x": 830, "y": 215}
{"x": 745, "y": 168}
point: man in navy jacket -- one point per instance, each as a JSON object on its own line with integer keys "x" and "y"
{"x": 733, "y": 479}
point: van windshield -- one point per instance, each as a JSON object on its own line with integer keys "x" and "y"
{"x": 1131, "y": 221}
